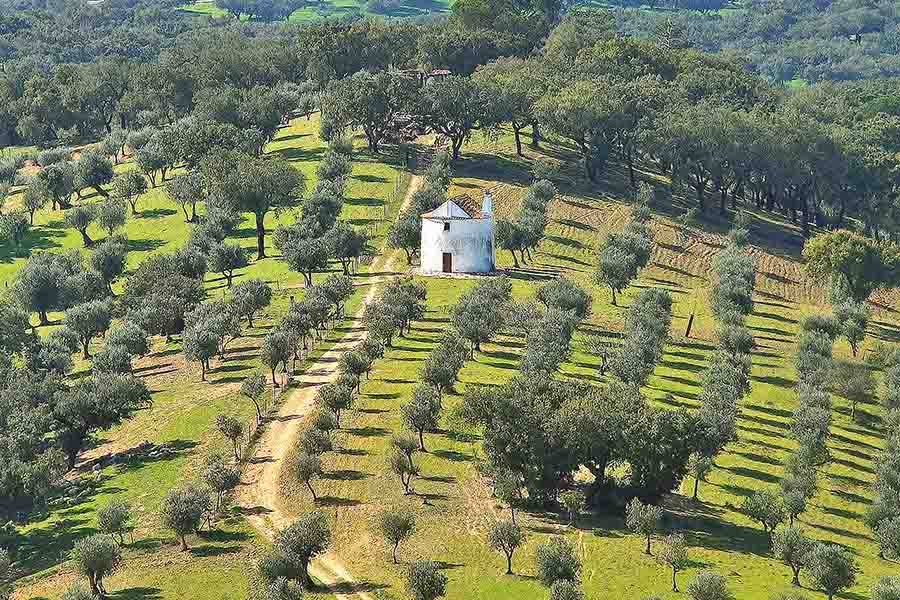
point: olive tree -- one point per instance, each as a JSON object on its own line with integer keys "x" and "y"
{"x": 14, "y": 227}
{"x": 422, "y": 412}
{"x": 226, "y": 258}
{"x": 673, "y": 554}
{"x": 402, "y": 466}
{"x": 128, "y": 187}
{"x": 852, "y": 318}
{"x": 566, "y": 590}
{"x": 96, "y": 557}
{"x": 303, "y": 540}
{"x": 305, "y": 468}
{"x": 708, "y": 585}
{"x": 115, "y": 519}
{"x": 791, "y": 547}
{"x": 252, "y": 388}
{"x": 80, "y": 218}
{"x": 182, "y": 511}
{"x": 109, "y": 259}
{"x": 220, "y": 477}
{"x": 506, "y": 537}
{"x": 112, "y": 215}
{"x": 886, "y": 588}
{"x": 395, "y": 526}
{"x": 765, "y": 507}
{"x": 424, "y": 580}
{"x": 831, "y": 568}
{"x": 88, "y": 320}
{"x": 699, "y": 466}
{"x": 556, "y": 560}
{"x": 232, "y": 430}
{"x": 251, "y": 296}
{"x": 643, "y": 519}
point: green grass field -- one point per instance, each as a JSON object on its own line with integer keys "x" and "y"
{"x": 452, "y": 528}
{"x": 183, "y": 406}
{"x": 336, "y": 8}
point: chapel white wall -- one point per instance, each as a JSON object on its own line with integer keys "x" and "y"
{"x": 470, "y": 241}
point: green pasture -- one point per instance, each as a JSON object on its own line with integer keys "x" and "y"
{"x": 452, "y": 525}
{"x": 183, "y": 406}
{"x": 336, "y": 8}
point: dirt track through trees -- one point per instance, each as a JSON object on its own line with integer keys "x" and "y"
{"x": 258, "y": 495}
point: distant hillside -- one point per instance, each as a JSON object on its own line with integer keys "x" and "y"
{"x": 783, "y": 40}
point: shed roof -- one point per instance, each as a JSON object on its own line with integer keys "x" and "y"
{"x": 452, "y": 209}
{"x": 470, "y": 203}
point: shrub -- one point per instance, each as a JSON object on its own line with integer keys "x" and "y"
{"x": 709, "y": 586}
{"x": 555, "y": 560}
{"x": 424, "y": 580}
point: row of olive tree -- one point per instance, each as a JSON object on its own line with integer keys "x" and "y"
{"x": 523, "y": 234}
{"x": 623, "y": 254}
{"x": 406, "y": 232}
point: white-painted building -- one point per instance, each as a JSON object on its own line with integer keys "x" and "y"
{"x": 458, "y": 236}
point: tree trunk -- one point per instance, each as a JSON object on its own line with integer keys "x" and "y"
{"x": 696, "y": 485}
{"x": 674, "y": 586}
{"x": 535, "y": 134}
{"x": 422, "y": 440}
{"x": 184, "y": 546}
{"x": 85, "y": 238}
{"x": 394, "y": 552}
{"x": 515, "y": 259}
{"x": 630, "y": 161}
{"x": 85, "y": 344}
{"x": 518, "y": 138}
{"x": 457, "y": 144}
{"x": 796, "y": 581}
{"x": 260, "y": 236}
{"x": 647, "y": 549}
{"x": 509, "y": 570}
{"x": 613, "y": 296}
{"x": 312, "y": 491}
{"x": 95, "y": 588}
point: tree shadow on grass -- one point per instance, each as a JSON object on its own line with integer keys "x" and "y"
{"x": 37, "y": 239}
{"x": 208, "y": 551}
{"x": 355, "y": 588}
{"x": 367, "y": 431}
{"x": 155, "y": 213}
{"x": 345, "y": 475}
{"x": 752, "y": 474}
{"x": 352, "y": 451}
{"x": 333, "y": 501}
{"x": 138, "y": 593}
{"x": 452, "y": 455}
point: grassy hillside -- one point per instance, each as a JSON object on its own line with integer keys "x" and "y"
{"x": 451, "y": 528}
{"x": 184, "y": 407}
{"x": 338, "y": 8}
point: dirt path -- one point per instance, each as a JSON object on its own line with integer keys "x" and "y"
{"x": 258, "y": 493}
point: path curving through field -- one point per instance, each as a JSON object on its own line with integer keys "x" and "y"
{"x": 258, "y": 494}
